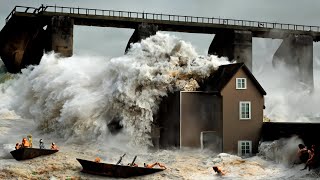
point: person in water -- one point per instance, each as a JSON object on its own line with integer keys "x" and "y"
{"x": 218, "y": 170}
{"x": 154, "y": 164}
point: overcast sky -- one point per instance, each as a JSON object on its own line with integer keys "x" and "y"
{"x": 112, "y": 41}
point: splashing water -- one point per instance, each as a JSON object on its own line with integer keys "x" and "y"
{"x": 74, "y": 96}
{"x": 281, "y": 151}
{"x": 289, "y": 100}
{"x": 73, "y": 99}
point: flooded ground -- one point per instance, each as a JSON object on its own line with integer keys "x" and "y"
{"x": 180, "y": 164}
{"x": 273, "y": 162}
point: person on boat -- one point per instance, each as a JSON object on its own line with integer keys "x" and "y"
{"x": 133, "y": 165}
{"x": 97, "y": 160}
{"x": 41, "y": 144}
{"x": 18, "y": 146}
{"x": 29, "y": 137}
{"x": 218, "y": 170}
{"x": 54, "y": 146}
{"x": 25, "y": 143}
{"x": 303, "y": 153}
{"x": 154, "y": 164}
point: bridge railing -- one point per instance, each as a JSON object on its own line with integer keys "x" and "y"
{"x": 25, "y": 9}
{"x": 166, "y": 17}
{"x": 179, "y": 18}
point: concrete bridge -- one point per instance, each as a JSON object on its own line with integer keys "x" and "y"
{"x": 29, "y": 31}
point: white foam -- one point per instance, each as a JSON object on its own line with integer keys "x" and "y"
{"x": 74, "y": 98}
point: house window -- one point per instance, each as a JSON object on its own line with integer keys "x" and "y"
{"x": 244, "y": 148}
{"x": 245, "y": 109}
{"x": 241, "y": 83}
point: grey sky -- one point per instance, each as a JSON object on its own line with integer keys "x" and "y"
{"x": 112, "y": 41}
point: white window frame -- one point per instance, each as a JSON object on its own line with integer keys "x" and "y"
{"x": 243, "y": 144}
{"x": 244, "y": 83}
{"x": 240, "y": 110}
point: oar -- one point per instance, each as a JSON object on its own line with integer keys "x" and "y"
{"x": 121, "y": 159}
{"x": 134, "y": 159}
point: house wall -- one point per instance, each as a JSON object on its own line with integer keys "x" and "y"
{"x": 235, "y": 129}
{"x": 200, "y": 111}
{"x": 169, "y": 121}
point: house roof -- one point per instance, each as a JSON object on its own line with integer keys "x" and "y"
{"x": 220, "y": 78}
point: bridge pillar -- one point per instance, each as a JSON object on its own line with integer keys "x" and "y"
{"x": 296, "y": 51}
{"x": 143, "y": 31}
{"x": 236, "y": 45}
{"x": 21, "y": 43}
{"x": 60, "y": 32}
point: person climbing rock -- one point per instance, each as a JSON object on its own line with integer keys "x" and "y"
{"x": 303, "y": 153}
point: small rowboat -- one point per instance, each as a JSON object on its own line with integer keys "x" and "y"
{"x": 29, "y": 153}
{"x": 113, "y": 170}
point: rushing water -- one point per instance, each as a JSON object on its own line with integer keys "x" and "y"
{"x": 71, "y": 100}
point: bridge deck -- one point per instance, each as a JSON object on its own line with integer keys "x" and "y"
{"x": 166, "y": 22}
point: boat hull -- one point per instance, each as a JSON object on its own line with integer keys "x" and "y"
{"x": 29, "y": 153}
{"x": 111, "y": 170}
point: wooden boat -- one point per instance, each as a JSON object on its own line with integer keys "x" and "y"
{"x": 113, "y": 170}
{"x": 29, "y": 153}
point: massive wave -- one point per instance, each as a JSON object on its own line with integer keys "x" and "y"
{"x": 75, "y": 98}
